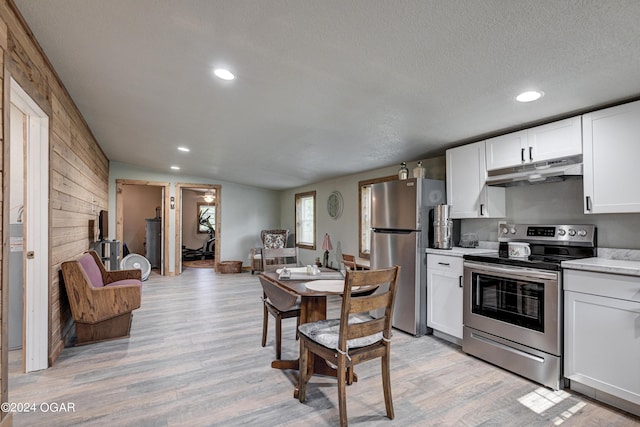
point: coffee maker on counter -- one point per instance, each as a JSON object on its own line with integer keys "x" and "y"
{"x": 445, "y": 231}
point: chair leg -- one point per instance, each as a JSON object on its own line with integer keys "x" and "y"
{"x": 265, "y": 324}
{"x": 350, "y": 373}
{"x": 278, "y": 338}
{"x": 342, "y": 390}
{"x": 302, "y": 372}
{"x": 297, "y": 326}
{"x": 386, "y": 385}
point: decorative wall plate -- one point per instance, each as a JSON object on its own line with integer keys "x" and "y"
{"x": 334, "y": 204}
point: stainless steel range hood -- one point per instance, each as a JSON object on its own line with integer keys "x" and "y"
{"x": 551, "y": 171}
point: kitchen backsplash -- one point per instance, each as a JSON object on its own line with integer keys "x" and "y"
{"x": 559, "y": 203}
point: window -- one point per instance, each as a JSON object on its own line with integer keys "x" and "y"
{"x": 206, "y": 217}
{"x": 364, "y": 192}
{"x": 306, "y": 220}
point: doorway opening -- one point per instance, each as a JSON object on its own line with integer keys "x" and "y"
{"x": 26, "y": 272}
{"x": 198, "y": 225}
{"x": 141, "y": 225}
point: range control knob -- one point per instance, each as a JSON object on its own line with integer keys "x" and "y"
{"x": 582, "y": 233}
{"x": 504, "y": 230}
{"x": 572, "y": 232}
{"x": 513, "y": 230}
{"x": 562, "y": 232}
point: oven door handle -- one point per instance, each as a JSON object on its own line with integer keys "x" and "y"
{"x": 511, "y": 271}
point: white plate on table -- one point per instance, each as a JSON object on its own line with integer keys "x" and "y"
{"x": 334, "y": 286}
{"x": 294, "y": 270}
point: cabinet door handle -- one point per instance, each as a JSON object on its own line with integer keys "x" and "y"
{"x": 460, "y": 281}
{"x": 588, "y": 202}
{"x": 522, "y": 155}
{"x": 481, "y": 209}
{"x": 444, "y": 263}
{"x": 531, "y": 153}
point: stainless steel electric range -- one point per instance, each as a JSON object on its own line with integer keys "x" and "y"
{"x": 513, "y": 306}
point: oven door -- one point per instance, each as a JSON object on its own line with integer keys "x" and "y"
{"x": 517, "y": 304}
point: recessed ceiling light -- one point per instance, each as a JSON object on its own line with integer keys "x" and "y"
{"x": 175, "y": 168}
{"x": 185, "y": 149}
{"x": 223, "y": 74}
{"x": 529, "y": 96}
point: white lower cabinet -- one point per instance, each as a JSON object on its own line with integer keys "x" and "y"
{"x": 444, "y": 294}
{"x": 602, "y": 334}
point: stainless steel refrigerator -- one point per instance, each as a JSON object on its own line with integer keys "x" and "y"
{"x": 400, "y": 229}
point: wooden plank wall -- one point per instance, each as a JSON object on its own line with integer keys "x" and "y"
{"x": 79, "y": 169}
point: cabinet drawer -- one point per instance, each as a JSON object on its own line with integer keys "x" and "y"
{"x": 604, "y": 284}
{"x": 445, "y": 263}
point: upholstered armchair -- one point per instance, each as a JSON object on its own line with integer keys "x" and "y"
{"x": 271, "y": 239}
{"x": 101, "y": 301}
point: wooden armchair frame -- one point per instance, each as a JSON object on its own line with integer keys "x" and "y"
{"x": 102, "y": 312}
{"x": 257, "y": 253}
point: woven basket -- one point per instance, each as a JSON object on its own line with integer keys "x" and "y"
{"x": 226, "y": 267}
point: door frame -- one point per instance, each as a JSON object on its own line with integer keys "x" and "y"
{"x": 120, "y": 183}
{"x": 178, "y": 238}
{"x": 37, "y": 270}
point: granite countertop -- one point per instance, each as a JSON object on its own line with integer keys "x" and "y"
{"x": 460, "y": 252}
{"x": 605, "y": 265}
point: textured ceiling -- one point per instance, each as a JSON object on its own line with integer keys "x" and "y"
{"x": 326, "y": 88}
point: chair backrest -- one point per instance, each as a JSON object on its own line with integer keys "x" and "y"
{"x": 91, "y": 269}
{"x": 349, "y": 262}
{"x": 386, "y": 279}
{"x": 280, "y": 298}
{"x": 274, "y": 238}
{"x": 273, "y": 259}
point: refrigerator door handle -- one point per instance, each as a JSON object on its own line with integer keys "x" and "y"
{"x": 392, "y": 231}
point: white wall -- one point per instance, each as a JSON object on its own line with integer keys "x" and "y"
{"x": 140, "y": 203}
{"x": 244, "y": 210}
{"x": 343, "y": 230}
{"x": 16, "y": 182}
{"x": 560, "y": 203}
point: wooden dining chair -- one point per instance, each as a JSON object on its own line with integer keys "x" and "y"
{"x": 355, "y": 337}
{"x": 349, "y": 262}
{"x": 276, "y": 258}
{"x": 281, "y": 304}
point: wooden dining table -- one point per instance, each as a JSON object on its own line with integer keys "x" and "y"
{"x": 313, "y": 307}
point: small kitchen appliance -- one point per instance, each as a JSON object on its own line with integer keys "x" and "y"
{"x": 512, "y": 312}
{"x": 442, "y": 227}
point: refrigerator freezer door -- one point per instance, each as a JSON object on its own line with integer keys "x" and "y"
{"x": 405, "y": 205}
{"x": 395, "y": 205}
{"x": 402, "y": 248}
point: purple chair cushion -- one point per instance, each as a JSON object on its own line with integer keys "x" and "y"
{"x": 123, "y": 282}
{"x": 92, "y": 270}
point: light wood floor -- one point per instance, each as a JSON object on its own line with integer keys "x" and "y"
{"x": 194, "y": 359}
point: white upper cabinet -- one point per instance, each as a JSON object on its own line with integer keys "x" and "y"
{"x": 506, "y": 150}
{"x": 467, "y": 192}
{"x": 538, "y": 144}
{"x": 611, "y": 159}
